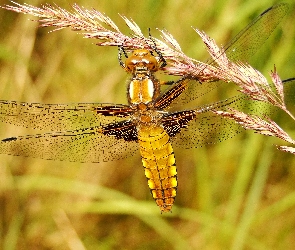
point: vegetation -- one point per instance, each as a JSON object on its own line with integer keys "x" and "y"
{"x": 238, "y": 194}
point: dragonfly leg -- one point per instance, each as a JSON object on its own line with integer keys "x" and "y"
{"x": 122, "y": 51}
{"x": 167, "y": 82}
{"x": 162, "y": 60}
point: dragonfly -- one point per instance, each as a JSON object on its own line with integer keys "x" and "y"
{"x": 100, "y": 132}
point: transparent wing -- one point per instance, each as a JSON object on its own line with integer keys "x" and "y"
{"x": 246, "y": 43}
{"x": 253, "y": 36}
{"x": 83, "y": 145}
{"x": 61, "y": 117}
{"x": 208, "y": 128}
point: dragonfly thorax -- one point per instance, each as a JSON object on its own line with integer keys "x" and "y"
{"x": 143, "y": 86}
{"x": 146, "y": 115}
{"x": 143, "y": 90}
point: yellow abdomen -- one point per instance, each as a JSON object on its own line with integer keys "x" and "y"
{"x": 159, "y": 163}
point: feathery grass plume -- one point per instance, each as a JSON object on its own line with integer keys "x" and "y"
{"x": 94, "y": 24}
{"x": 253, "y": 84}
{"x": 263, "y": 125}
{"x": 286, "y": 149}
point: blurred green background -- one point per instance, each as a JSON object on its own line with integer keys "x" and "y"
{"x": 238, "y": 194}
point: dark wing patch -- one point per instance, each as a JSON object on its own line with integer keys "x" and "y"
{"x": 121, "y": 130}
{"x": 174, "y": 122}
{"x": 172, "y": 93}
{"x": 114, "y": 110}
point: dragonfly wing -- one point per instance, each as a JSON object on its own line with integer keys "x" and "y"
{"x": 192, "y": 92}
{"x": 206, "y": 129}
{"x": 254, "y": 35}
{"x": 244, "y": 45}
{"x": 61, "y": 117}
{"x": 200, "y": 126}
{"x": 95, "y": 144}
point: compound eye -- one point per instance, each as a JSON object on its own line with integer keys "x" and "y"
{"x": 131, "y": 63}
{"x": 151, "y": 63}
{"x": 130, "y": 67}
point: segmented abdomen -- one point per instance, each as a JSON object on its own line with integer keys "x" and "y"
{"x": 159, "y": 163}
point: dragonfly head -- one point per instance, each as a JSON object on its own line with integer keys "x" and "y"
{"x": 141, "y": 60}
